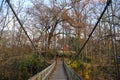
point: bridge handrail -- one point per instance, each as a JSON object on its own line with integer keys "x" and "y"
{"x": 70, "y": 73}
{"x": 43, "y": 75}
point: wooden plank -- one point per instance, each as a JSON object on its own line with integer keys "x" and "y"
{"x": 59, "y": 73}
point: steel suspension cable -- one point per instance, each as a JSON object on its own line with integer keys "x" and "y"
{"x": 8, "y": 1}
{"x": 107, "y": 4}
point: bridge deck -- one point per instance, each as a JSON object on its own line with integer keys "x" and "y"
{"x": 59, "y": 72}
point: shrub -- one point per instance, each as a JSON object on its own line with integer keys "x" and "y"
{"x": 29, "y": 66}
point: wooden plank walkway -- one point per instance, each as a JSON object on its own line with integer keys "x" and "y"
{"x": 59, "y": 73}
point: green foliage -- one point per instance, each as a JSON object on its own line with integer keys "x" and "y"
{"x": 80, "y": 65}
{"x": 87, "y": 72}
{"x": 49, "y": 55}
{"x": 29, "y": 66}
{"x": 87, "y": 59}
{"x": 76, "y": 64}
{"x": 23, "y": 68}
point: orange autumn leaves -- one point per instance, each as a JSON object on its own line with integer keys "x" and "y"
{"x": 72, "y": 18}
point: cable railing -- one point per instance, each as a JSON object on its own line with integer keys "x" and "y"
{"x": 71, "y": 75}
{"x": 44, "y": 75}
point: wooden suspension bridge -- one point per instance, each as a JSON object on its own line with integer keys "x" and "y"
{"x": 58, "y": 70}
